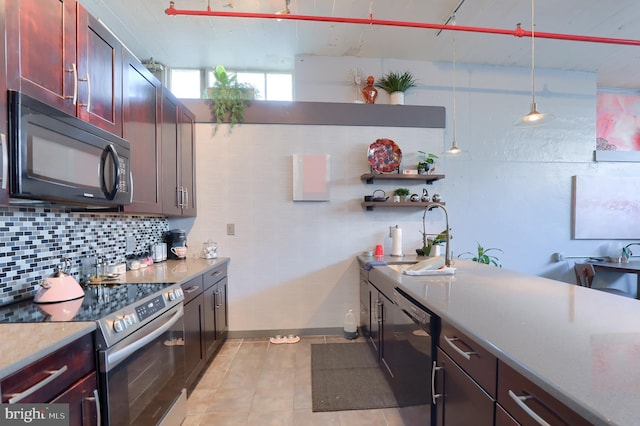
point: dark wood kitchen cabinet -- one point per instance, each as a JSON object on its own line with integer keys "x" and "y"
{"x": 178, "y": 158}
{"x": 215, "y": 310}
{"x": 68, "y": 375}
{"x": 4, "y": 164}
{"x": 467, "y": 380}
{"x": 194, "y": 358}
{"x": 141, "y": 126}
{"x": 61, "y": 55}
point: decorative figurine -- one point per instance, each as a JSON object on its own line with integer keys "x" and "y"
{"x": 369, "y": 92}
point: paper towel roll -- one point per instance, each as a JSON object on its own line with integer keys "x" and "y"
{"x": 396, "y": 241}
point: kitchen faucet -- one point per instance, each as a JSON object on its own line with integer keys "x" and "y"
{"x": 447, "y": 253}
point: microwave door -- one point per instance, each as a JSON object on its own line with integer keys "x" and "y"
{"x": 110, "y": 172}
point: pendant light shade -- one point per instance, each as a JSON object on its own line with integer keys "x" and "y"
{"x": 534, "y": 118}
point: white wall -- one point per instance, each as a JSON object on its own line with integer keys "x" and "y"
{"x": 293, "y": 263}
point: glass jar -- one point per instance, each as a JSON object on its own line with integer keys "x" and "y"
{"x": 209, "y": 250}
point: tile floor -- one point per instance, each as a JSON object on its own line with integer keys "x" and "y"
{"x": 254, "y": 382}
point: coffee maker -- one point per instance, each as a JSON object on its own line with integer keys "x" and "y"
{"x": 175, "y": 238}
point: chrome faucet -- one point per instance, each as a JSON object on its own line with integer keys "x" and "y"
{"x": 447, "y": 252}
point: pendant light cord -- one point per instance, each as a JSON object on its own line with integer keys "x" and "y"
{"x": 454, "y": 80}
{"x": 533, "y": 54}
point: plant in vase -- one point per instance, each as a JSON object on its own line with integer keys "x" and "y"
{"x": 395, "y": 84}
{"x": 400, "y": 193}
{"x": 426, "y": 162}
{"x": 431, "y": 246}
{"x": 482, "y": 256}
{"x": 229, "y": 97}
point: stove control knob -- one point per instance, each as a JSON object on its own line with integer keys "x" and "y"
{"x": 171, "y": 295}
{"x": 119, "y": 325}
{"x": 129, "y": 320}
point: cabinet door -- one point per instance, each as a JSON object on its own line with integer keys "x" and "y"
{"x": 209, "y": 329}
{"x": 187, "y": 164}
{"x": 169, "y": 137}
{"x": 465, "y": 402}
{"x": 193, "y": 348}
{"x": 41, "y": 50}
{"x": 99, "y": 59}
{"x": 365, "y": 302}
{"x": 4, "y": 159}
{"x": 83, "y": 402}
{"x": 375, "y": 308}
{"x": 222, "y": 318}
{"x": 141, "y": 123}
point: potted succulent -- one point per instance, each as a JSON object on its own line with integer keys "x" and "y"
{"x": 399, "y": 193}
{"x": 481, "y": 256}
{"x": 426, "y": 161}
{"x": 395, "y": 84}
{"x": 229, "y": 97}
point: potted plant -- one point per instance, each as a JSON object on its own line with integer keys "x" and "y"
{"x": 482, "y": 256}
{"x": 229, "y": 97}
{"x": 426, "y": 161}
{"x": 431, "y": 246}
{"x": 395, "y": 84}
{"x": 399, "y": 193}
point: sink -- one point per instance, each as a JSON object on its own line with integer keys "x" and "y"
{"x": 399, "y": 267}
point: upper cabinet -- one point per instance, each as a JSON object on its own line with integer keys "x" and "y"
{"x": 178, "y": 158}
{"x": 141, "y": 127}
{"x": 62, "y": 56}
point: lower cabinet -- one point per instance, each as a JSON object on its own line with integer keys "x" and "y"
{"x": 67, "y": 375}
{"x": 193, "y": 330}
{"x": 206, "y": 321}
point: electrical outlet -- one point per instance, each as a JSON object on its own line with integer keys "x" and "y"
{"x": 231, "y": 229}
{"x": 131, "y": 243}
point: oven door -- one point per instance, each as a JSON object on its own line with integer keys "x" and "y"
{"x": 142, "y": 377}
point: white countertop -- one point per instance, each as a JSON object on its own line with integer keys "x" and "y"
{"x": 580, "y": 345}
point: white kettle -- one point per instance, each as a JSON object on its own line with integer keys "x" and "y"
{"x": 60, "y": 287}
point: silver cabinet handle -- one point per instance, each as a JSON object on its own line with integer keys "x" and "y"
{"x": 191, "y": 289}
{"x": 5, "y": 161}
{"x": 88, "y": 104}
{"x": 520, "y": 401}
{"x": 96, "y": 399}
{"x": 434, "y": 396}
{"x": 42, "y": 383}
{"x": 465, "y": 355}
{"x": 186, "y": 198}
{"x": 74, "y": 71}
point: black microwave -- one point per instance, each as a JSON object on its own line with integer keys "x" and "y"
{"x": 56, "y": 157}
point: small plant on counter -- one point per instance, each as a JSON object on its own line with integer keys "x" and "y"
{"x": 426, "y": 161}
{"x": 481, "y": 256}
{"x": 427, "y": 243}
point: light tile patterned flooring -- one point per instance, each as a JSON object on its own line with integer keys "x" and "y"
{"x": 254, "y": 382}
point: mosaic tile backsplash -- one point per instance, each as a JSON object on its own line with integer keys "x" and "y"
{"x": 34, "y": 240}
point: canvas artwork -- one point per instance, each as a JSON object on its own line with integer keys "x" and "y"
{"x": 617, "y": 127}
{"x": 311, "y": 177}
{"x": 606, "y": 207}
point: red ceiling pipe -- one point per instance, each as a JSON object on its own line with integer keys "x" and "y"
{"x": 518, "y": 32}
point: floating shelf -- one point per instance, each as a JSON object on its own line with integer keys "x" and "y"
{"x": 371, "y": 177}
{"x": 370, "y": 205}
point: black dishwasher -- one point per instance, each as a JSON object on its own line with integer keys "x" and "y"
{"x": 410, "y": 353}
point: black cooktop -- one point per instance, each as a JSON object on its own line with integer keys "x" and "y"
{"x": 98, "y": 302}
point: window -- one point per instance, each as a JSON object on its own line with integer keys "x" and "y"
{"x": 185, "y": 83}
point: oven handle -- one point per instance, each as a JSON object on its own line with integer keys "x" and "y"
{"x": 115, "y": 358}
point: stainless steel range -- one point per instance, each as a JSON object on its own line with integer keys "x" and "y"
{"x": 140, "y": 347}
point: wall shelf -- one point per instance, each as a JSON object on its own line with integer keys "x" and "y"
{"x": 370, "y": 205}
{"x": 371, "y": 177}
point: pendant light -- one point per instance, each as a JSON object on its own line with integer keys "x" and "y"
{"x": 534, "y": 118}
{"x": 454, "y": 146}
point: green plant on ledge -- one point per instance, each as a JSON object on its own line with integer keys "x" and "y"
{"x": 402, "y": 192}
{"x": 396, "y": 82}
{"x": 426, "y": 161}
{"x": 229, "y": 97}
{"x": 481, "y": 256}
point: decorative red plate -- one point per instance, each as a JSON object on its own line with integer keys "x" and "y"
{"x": 385, "y": 156}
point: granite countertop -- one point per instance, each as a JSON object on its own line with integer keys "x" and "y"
{"x": 24, "y": 343}
{"x": 580, "y": 345}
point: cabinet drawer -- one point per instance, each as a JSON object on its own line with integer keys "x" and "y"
{"x": 465, "y": 403}
{"x": 192, "y": 288}
{"x": 470, "y": 356}
{"x": 512, "y": 385}
{"x": 83, "y": 405}
{"x": 214, "y": 275}
{"x": 58, "y": 371}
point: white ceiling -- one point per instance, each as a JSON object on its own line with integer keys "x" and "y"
{"x": 268, "y": 44}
